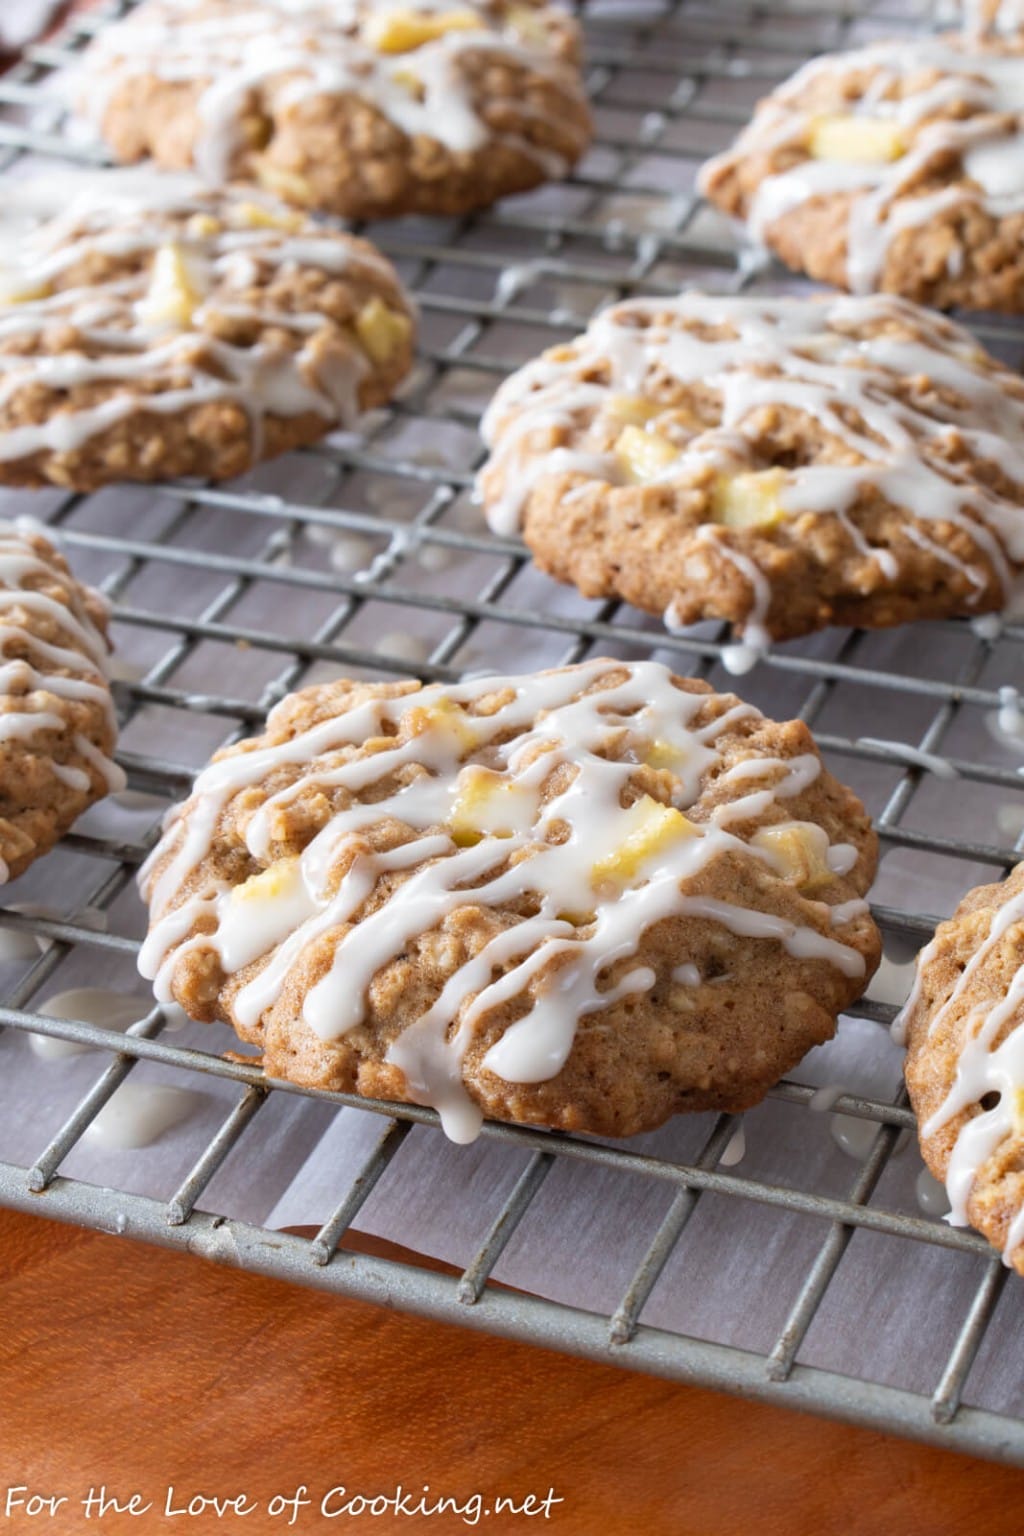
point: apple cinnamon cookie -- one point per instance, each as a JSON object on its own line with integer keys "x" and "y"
{"x": 587, "y": 898}
{"x": 987, "y": 18}
{"x": 898, "y": 167}
{"x": 964, "y": 1029}
{"x": 57, "y": 723}
{"x": 363, "y": 109}
{"x": 780, "y": 463}
{"x": 154, "y": 328}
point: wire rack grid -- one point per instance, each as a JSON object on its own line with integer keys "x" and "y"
{"x": 365, "y": 555}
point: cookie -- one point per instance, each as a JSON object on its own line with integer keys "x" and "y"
{"x": 57, "y": 724}
{"x": 155, "y": 328}
{"x": 362, "y": 109}
{"x": 987, "y": 18}
{"x": 586, "y": 899}
{"x": 780, "y": 463}
{"x": 896, "y": 168}
{"x": 964, "y": 1031}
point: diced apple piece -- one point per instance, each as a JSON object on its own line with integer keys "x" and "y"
{"x": 20, "y": 288}
{"x": 381, "y": 331}
{"x": 445, "y": 722}
{"x": 798, "y": 851}
{"x": 271, "y": 884}
{"x": 525, "y": 21}
{"x": 644, "y": 455}
{"x": 256, "y": 216}
{"x": 648, "y": 829}
{"x": 403, "y": 31}
{"x": 632, "y": 409}
{"x": 173, "y": 294}
{"x": 749, "y": 501}
{"x": 663, "y": 754}
{"x": 865, "y": 140}
{"x": 201, "y": 226}
{"x": 487, "y": 804}
{"x": 410, "y": 81}
{"x": 287, "y": 184}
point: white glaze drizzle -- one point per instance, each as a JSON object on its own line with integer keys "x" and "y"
{"x": 294, "y": 51}
{"x": 988, "y": 143}
{"x": 133, "y": 214}
{"x": 551, "y": 727}
{"x": 816, "y": 359}
{"x": 29, "y": 684}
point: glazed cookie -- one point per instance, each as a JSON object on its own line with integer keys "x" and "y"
{"x": 366, "y": 108}
{"x": 585, "y": 899}
{"x": 988, "y": 18}
{"x": 57, "y": 725}
{"x": 781, "y": 463}
{"x": 899, "y": 167}
{"x": 154, "y": 328}
{"x": 964, "y": 1030}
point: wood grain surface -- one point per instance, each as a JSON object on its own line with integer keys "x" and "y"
{"x": 140, "y": 1369}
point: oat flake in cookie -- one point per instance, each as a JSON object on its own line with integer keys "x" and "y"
{"x": 153, "y": 328}
{"x": 964, "y": 1029}
{"x": 585, "y": 899}
{"x": 781, "y": 463}
{"x": 366, "y": 108}
{"x": 898, "y": 167}
{"x": 57, "y": 724}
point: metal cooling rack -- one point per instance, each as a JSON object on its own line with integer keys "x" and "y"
{"x": 671, "y": 82}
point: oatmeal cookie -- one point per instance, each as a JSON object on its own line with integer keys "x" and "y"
{"x": 781, "y": 463}
{"x": 154, "y": 328}
{"x": 364, "y": 109}
{"x": 896, "y": 168}
{"x": 986, "y": 18}
{"x": 586, "y": 899}
{"x": 964, "y": 1029}
{"x": 57, "y": 724}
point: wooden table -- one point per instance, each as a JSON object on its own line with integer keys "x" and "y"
{"x": 140, "y": 1369}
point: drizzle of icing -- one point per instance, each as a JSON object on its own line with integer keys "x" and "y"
{"x": 986, "y": 146}
{"x": 219, "y": 244}
{"x": 70, "y": 666}
{"x": 836, "y": 361}
{"x": 597, "y": 874}
{"x": 291, "y": 50}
